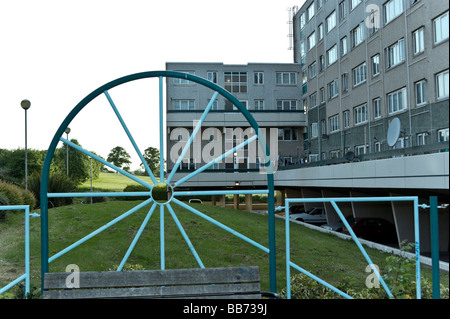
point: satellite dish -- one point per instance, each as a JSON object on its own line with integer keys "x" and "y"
{"x": 350, "y": 156}
{"x": 393, "y": 132}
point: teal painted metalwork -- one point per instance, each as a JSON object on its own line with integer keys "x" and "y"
{"x": 45, "y": 260}
{"x": 333, "y": 202}
{"x": 434, "y": 229}
{"x": 26, "y": 276}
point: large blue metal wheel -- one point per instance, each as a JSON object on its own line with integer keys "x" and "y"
{"x": 171, "y": 185}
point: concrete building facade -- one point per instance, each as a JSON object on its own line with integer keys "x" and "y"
{"x": 367, "y": 62}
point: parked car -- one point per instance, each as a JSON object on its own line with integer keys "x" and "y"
{"x": 374, "y": 229}
{"x": 315, "y": 215}
{"x": 339, "y": 225}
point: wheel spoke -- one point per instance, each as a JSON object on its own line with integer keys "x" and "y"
{"x": 138, "y": 235}
{"x": 215, "y": 222}
{"x": 161, "y": 237}
{"x": 191, "y": 139}
{"x": 216, "y": 160}
{"x": 144, "y": 162}
{"x": 161, "y": 131}
{"x": 185, "y": 236}
{"x": 101, "y": 160}
{"x": 106, "y": 194}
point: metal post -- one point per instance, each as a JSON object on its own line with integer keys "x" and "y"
{"x": 434, "y": 246}
{"x": 25, "y": 104}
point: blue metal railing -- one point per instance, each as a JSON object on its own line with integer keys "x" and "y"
{"x": 26, "y": 275}
{"x": 333, "y": 202}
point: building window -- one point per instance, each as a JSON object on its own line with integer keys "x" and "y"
{"x": 331, "y": 21}
{"x": 421, "y": 94}
{"x": 360, "y": 149}
{"x": 333, "y": 89}
{"x": 357, "y": 35}
{"x": 323, "y": 127}
{"x": 374, "y": 24}
{"x": 215, "y": 105}
{"x": 319, "y": 4}
{"x": 320, "y": 30}
{"x": 286, "y": 78}
{"x": 392, "y": 9}
{"x": 321, "y": 63}
{"x": 334, "y": 123}
{"x": 418, "y": 45}
{"x": 183, "y": 105}
{"x": 312, "y": 40}
{"x": 395, "y": 54}
{"x": 354, "y": 3}
{"x": 344, "y": 47}
{"x": 302, "y": 20}
{"x": 287, "y": 134}
{"x": 183, "y": 81}
{"x": 286, "y": 105}
{"x": 397, "y": 101}
{"x": 332, "y": 55}
{"x": 443, "y": 135}
{"x": 259, "y": 105}
{"x": 346, "y": 119}
{"x": 322, "y": 95}
{"x": 259, "y": 78}
{"x": 376, "y": 65}
{"x": 313, "y": 100}
{"x": 342, "y": 10}
{"x": 311, "y": 11}
{"x": 422, "y": 138}
{"x": 344, "y": 80}
{"x": 212, "y": 76}
{"x": 236, "y": 82}
{"x": 440, "y": 25}
{"x": 360, "y": 114}
{"x": 376, "y": 108}
{"x": 359, "y": 74}
{"x": 442, "y": 85}
{"x": 312, "y": 70}
{"x": 314, "y": 130}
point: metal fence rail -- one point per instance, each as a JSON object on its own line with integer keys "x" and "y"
{"x": 333, "y": 202}
{"x": 26, "y": 275}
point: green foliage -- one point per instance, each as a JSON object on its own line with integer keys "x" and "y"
{"x": 399, "y": 277}
{"x": 119, "y": 157}
{"x": 3, "y": 213}
{"x": 128, "y": 267}
{"x": 12, "y": 163}
{"x": 151, "y": 155}
{"x": 159, "y": 192}
{"x": 12, "y": 192}
{"x": 57, "y": 183}
{"x": 79, "y": 164}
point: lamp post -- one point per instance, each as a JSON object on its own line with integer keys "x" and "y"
{"x": 25, "y": 104}
{"x": 67, "y": 131}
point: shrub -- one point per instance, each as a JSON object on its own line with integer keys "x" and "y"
{"x": 3, "y": 213}
{"x": 159, "y": 192}
{"x": 12, "y": 192}
{"x": 57, "y": 183}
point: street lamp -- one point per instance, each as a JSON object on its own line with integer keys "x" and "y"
{"x": 67, "y": 131}
{"x": 25, "y": 104}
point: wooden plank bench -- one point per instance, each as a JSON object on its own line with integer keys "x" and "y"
{"x": 233, "y": 282}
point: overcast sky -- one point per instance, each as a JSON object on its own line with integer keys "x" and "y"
{"x": 55, "y": 52}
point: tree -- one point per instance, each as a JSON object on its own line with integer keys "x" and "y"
{"x": 151, "y": 156}
{"x": 79, "y": 166}
{"x": 119, "y": 157}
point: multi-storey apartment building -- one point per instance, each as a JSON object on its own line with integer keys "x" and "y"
{"x": 367, "y": 62}
{"x": 271, "y": 92}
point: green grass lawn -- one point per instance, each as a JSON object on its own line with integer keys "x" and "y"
{"x": 326, "y": 256}
{"x": 113, "y": 182}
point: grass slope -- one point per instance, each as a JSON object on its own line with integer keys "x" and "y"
{"x": 326, "y": 256}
